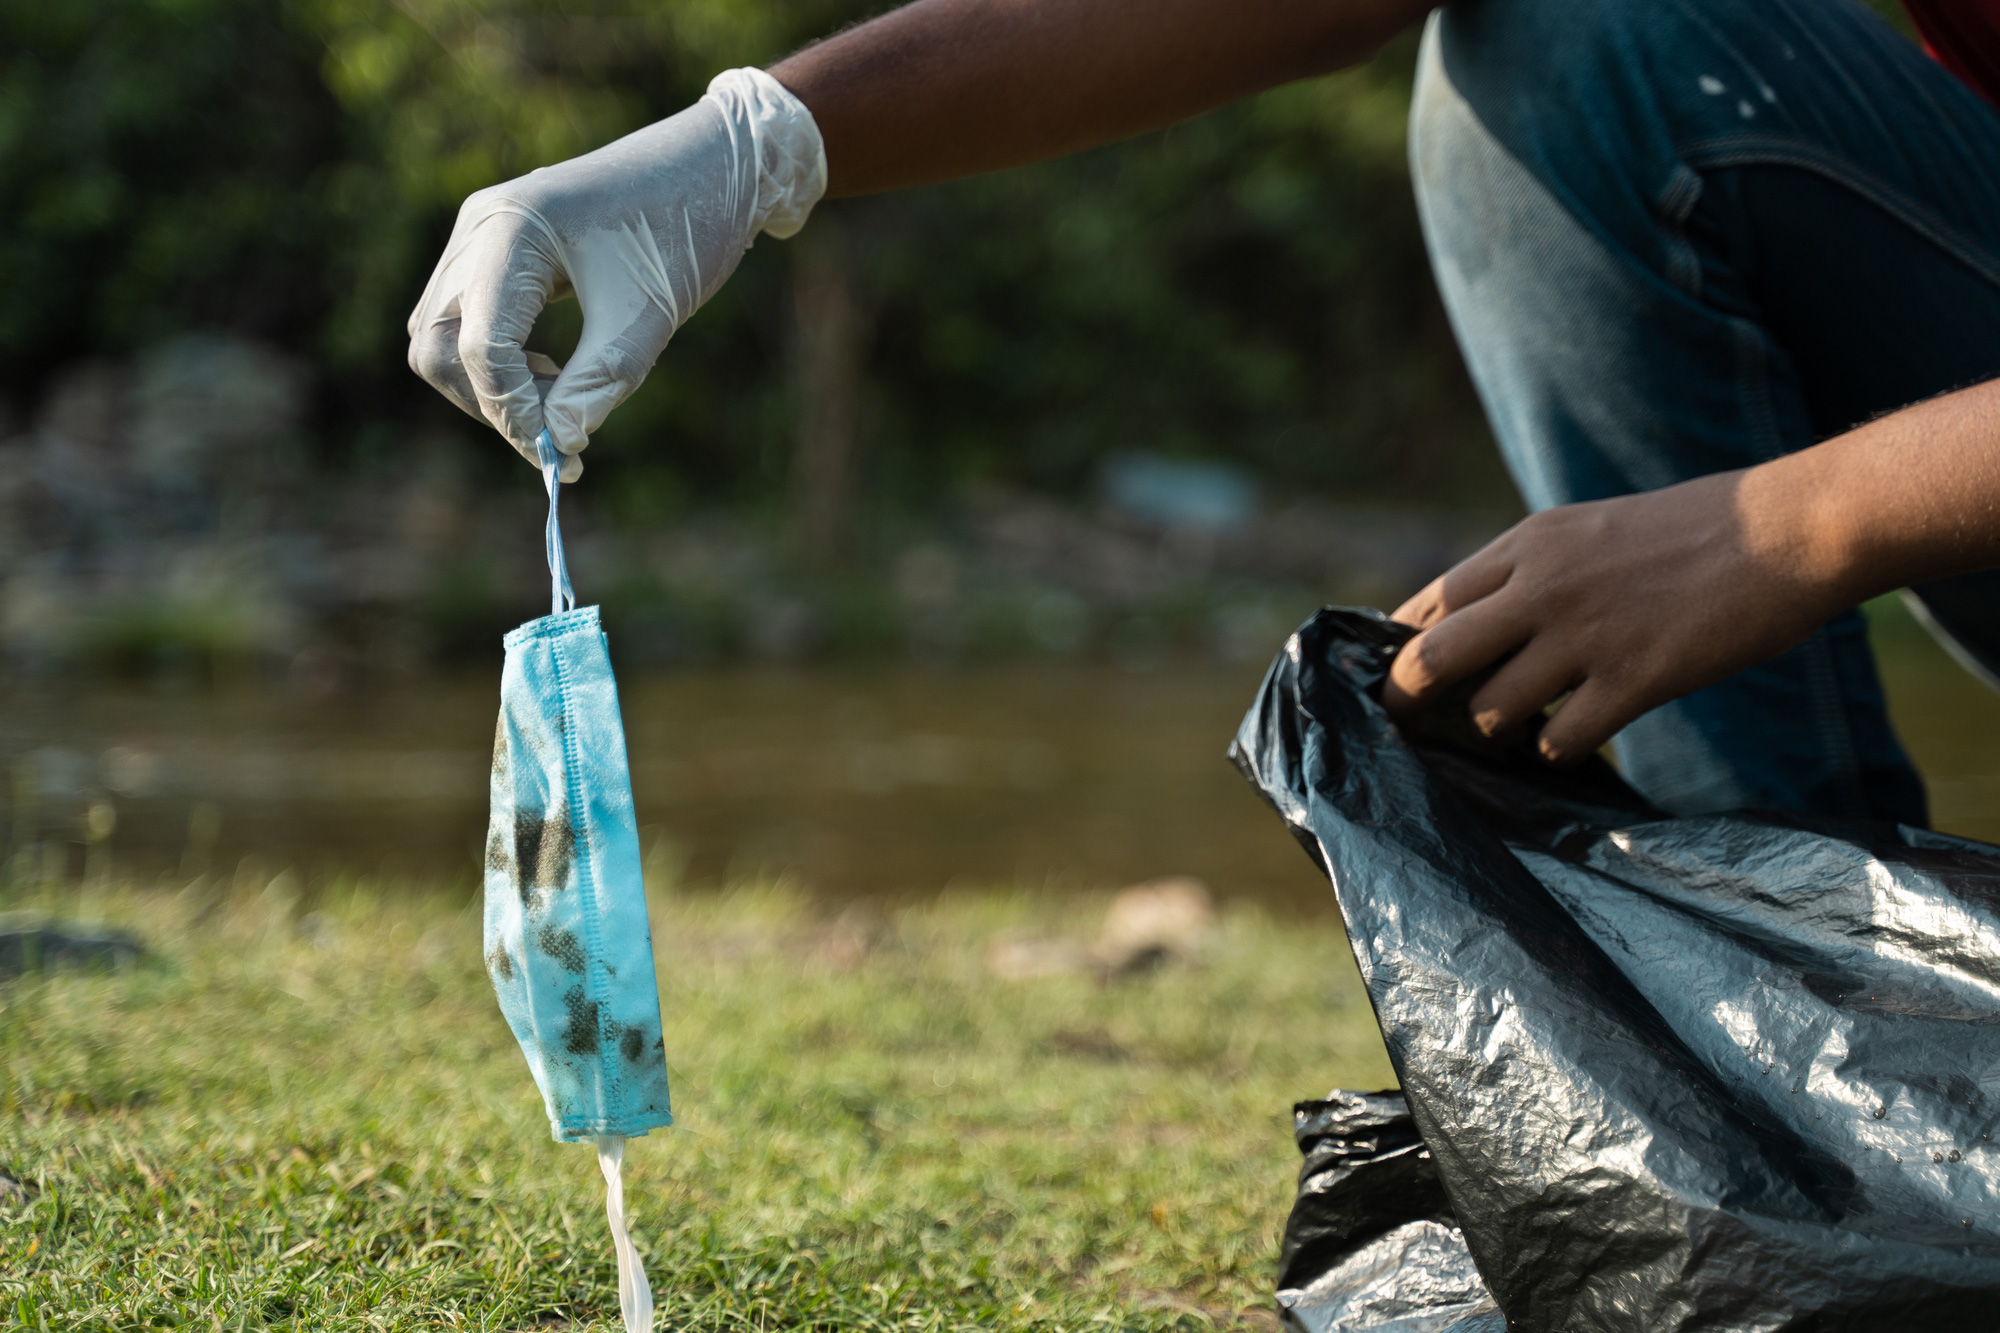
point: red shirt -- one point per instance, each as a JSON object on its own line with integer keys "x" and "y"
{"x": 1965, "y": 36}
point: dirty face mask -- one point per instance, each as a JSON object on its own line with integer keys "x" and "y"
{"x": 567, "y": 942}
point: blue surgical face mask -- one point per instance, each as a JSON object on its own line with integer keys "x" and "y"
{"x": 567, "y": 942}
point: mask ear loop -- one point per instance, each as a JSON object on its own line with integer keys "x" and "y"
{"x": 635, "y": 1295}
{"x": 561, "y": 597}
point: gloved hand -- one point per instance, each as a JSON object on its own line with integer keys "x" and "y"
{"x": 642, "y": 231}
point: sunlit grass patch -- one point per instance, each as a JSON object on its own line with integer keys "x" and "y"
{"x": 317, "y": 1119}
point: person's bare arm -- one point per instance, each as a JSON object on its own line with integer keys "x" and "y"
{"x": 1628, "y": 603}
{"x": 645, "y": 229}
{"x": 947, "y": 88}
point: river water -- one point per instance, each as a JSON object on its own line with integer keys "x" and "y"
{"x": 883, "y": 782}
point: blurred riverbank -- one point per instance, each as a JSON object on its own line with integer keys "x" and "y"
{"x": 854, "y": 783}
{"x": 859, "y": 781}
{"x": 165, "y": 519}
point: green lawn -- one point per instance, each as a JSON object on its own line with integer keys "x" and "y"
{"x": 317, "y": 1120}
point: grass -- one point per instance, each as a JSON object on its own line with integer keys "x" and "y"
{"x": 317, "y": 1119}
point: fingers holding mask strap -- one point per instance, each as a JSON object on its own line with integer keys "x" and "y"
{"x": 546, "y": 373}
{"x": 510, "y": 267}
{"x": 434, "y": 326}
{"x": 642, "y": 231}
{"x": 434, "y": 356}
{"x": 467, "y": 330}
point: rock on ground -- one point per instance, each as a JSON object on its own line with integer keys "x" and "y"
{"x": 31, "y": 946}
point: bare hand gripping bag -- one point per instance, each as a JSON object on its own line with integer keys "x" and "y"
{"x": 1732, "y": 1072}
{"x": 567, "y": 940}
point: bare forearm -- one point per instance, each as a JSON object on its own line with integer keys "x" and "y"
{"x": 1911, "y": 497}
{"x": 946, "y": 88}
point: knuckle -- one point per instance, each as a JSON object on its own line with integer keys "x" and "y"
{"x": 491, "y": 361}
{"x": 478, "y": 203}
{"x": 432, "y": 359}
{"x": 1624, "y": 675}
{"x": 1425, "y": 665}
{"x": 477, "y": 358}
{"x": 1429, "y": 606}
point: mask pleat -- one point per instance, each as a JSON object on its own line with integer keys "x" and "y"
{"x": 568, "y": 944}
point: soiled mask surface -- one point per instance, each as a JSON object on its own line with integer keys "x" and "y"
{"x": 567, "y": 941}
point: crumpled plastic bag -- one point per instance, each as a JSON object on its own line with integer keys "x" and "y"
{"x": 1731, "y": 1072}
{"x": 1372, "y": 1241}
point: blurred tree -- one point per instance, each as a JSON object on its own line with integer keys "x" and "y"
{"x": 139, "y": 194}
{"x": 831, "y": 340}
{"x": 1250, "y": 285}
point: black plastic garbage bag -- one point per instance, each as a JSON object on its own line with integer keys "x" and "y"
{"x": 1372, "y": 1242}
{"x": 1732, "y": 1072}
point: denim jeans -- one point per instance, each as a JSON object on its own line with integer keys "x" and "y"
{"x": 1682, "y": 236}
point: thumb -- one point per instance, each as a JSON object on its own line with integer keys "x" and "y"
{"x": 607, "y": 367}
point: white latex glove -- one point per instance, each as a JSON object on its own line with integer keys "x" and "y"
{"x": 642, "y": 231}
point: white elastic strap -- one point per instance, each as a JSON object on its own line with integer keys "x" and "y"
{"x": 635, "y": 1297}
{"x": 561, "y": 597}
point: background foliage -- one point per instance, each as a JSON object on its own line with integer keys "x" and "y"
{"x": 1250, "y": 285}
{"x": 192, "y": 191}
